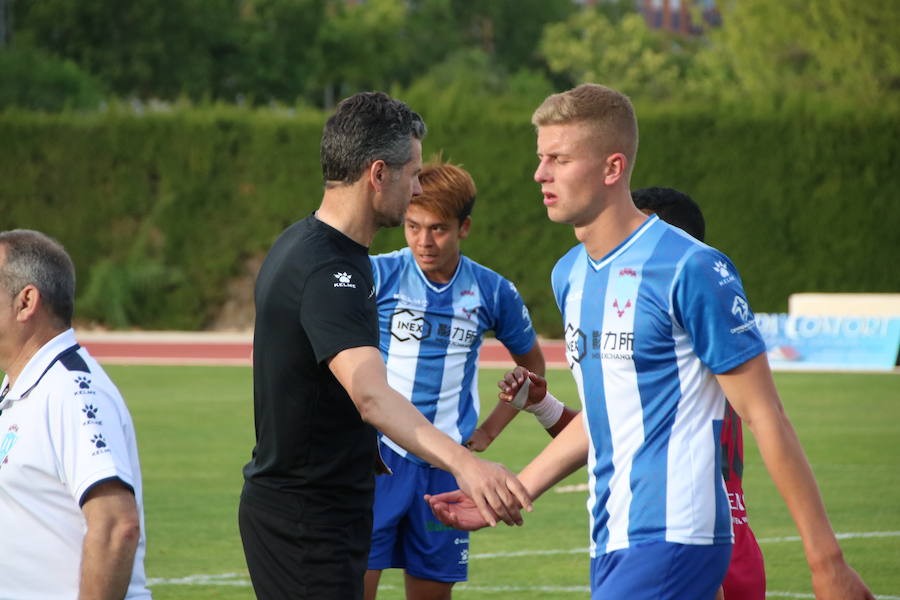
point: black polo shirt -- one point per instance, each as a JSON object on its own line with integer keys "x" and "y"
{"x": 314, "y": 298}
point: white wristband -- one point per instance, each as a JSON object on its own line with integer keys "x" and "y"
{"x": 547, "y": 411}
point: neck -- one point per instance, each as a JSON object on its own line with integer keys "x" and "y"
{"x": 25, "y": 347}
{"x": 612, "y": 226}
{"x": 348, "y": 208}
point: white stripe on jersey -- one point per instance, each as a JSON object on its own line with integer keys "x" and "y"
{"x": 626, "y": 422}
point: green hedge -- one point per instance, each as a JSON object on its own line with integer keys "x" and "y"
{"x": 161, "y": 210}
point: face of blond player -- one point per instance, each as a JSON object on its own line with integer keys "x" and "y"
{"x": 571, "y": 173}
{"x": 434, "y": 241}
{"x": 399, "y": 186}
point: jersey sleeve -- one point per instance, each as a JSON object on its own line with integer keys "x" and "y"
{"x": 514, "y": 326}
{"x": 710, "y": 304}
{"x": 91, "y": 444}
{"x": 337, "y": 310}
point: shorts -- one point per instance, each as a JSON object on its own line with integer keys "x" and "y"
{"x": 290, "y": 558}
{"x": 746, "y": 576}
{"x": 405, "y": 534}
{"x": 660, "y": 571}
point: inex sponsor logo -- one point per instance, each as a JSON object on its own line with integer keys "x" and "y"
{"x": 741, "y": 310}
{"x": 576, "y": 345}
{"x": 343, "y": 280}
{"x": 406, "y": 325}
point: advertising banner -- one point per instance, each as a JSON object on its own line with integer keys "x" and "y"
{"x": 830, "y": 343}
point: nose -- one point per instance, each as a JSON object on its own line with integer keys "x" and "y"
{"x": 542, "y": 173}
{"x": 417, "y": 186}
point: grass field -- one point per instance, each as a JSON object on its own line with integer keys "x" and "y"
{"x": 195, "y": 432}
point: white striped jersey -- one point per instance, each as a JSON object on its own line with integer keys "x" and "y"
{"x": 430, "y": 335}
{"x": 646, "y": 329}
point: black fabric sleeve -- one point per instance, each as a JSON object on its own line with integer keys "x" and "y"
{"x": 337, "y": 310}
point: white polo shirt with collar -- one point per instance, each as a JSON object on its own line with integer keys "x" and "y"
{"x": 64, "y": 429}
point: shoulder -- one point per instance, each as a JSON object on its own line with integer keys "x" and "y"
{"x": 77, "y": 380}
{"x": 391, "y": 261}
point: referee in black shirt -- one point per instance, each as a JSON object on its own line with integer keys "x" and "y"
{"x": 319, "y": 382}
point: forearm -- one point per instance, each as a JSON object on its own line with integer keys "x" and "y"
{"x": 497, "y": 421}
{"x": 790, "y": 471}
{"x": 562, "y": 457}
{"x": 396, "y": 417}
{"x": 107, "y": 560}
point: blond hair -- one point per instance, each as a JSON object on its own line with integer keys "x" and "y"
{"x": 607, "y": 112}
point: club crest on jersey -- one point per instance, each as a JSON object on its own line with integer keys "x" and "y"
{"x": 343, "y": 280}
{"x": 624, "y": 291}
{"x": 6, "y": 445}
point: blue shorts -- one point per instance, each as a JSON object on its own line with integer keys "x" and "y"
{"x": 405, "y": 535}
{"x": 660, "y": 571}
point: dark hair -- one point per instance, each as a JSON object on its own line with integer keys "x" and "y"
{"x": 33, "y": 258}
{"x": 674, "y": 207}
{"x": 366, "y": 127}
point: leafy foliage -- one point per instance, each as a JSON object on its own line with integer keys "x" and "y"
{"x": 30, "y": 79}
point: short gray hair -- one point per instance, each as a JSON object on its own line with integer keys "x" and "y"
{"x": 366, "y": 127}
{"x": 33, "y": 258}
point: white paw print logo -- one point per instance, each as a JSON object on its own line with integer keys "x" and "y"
{"x": 342, "y": 277}
{"x": 721, "y": 268}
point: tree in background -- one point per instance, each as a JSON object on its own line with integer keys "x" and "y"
{"x": 146, "y": 49}
{"x": 845, "y": 51}
{"x": 617, "y": 49}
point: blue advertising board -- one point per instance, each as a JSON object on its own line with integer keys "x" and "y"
{"x": 830, "y": 343}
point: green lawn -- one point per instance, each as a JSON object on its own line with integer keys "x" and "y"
{"x": 195, "y": 432}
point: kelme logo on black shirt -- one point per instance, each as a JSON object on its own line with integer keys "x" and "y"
{"x": 343, "y": 280}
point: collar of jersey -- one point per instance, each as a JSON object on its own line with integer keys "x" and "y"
{"x": 625, "y": 245}
{"x": 37, "y": 365}
{"x": 433, "y": 286}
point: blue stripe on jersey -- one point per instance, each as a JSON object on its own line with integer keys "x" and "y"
{"x": 658, "y": 384}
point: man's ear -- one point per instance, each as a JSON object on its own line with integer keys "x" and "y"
{"x": 464, "y": 228}
{"x": 27, "y": 302}
{"x": 616, "y": 165}
{"x": 378, "y": 174}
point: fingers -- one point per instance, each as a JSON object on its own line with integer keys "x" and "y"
{"x": 511, "y": 382}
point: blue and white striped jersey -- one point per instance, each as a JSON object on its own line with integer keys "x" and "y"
{"x": 646, "y": 329}
{"x": 430, "y": 336}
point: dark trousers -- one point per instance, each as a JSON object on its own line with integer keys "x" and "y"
{"x": 292, "y": 559}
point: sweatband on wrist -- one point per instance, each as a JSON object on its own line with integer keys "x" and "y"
{"x": 547, "y": 410}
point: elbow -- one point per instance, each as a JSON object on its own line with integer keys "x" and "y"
{"x": 368, "y": 407}
{"x": 126, "y": 533}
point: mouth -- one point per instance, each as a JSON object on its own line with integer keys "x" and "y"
{"x": 549, "y": 198}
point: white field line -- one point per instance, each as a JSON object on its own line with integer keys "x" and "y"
{"x": 242, "y": 580}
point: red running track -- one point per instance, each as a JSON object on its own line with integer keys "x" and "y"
{"x": 163, "y": 348}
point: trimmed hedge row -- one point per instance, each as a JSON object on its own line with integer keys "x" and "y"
{"x": 160, "y": 211}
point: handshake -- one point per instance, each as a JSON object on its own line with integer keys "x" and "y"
{"x": 471, "y": 508}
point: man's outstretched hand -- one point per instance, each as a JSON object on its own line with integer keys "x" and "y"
{"x": 456, "y": 510}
